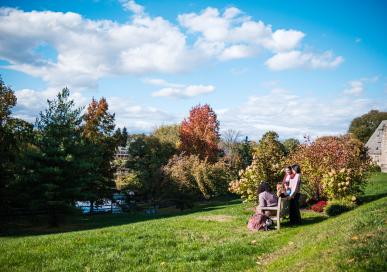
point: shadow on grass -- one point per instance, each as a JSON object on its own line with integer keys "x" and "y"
{"x": 306, "y": 221}
{"x": 370, "y": 198}
{"x": 38, "y": 224}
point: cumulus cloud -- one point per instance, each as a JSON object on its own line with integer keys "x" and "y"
{"x": 294, "y": 116}
{"x": 133, "y": 6}
{"x": 237, "y": 52}
{"x": 232, "y": 35}
{"x": 138, "y": 118}
{"x": 31, "y": 102}
{"x": 298, "y": 59}
{"x": 178, "y": 90}
{"x": 89, "y": 49}
{"x": 85, "y": 50}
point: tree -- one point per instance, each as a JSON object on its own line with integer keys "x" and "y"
{"x": 266, "y": 166}
{"x": 121, "y": 136}
{"x": 168, "y": 134}
{"x": 99, "y": 144}
{"x": 364, "y": 126}
{"x": 199, "y": 134}
{"x": 146, "y": 157}
{"x": 59, "y": 143}
{"x": 14, "y": 135}
{"x": 290, "y": 145}
{"x": 7, "y": 143}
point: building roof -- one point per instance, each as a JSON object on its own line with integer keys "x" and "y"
{"x": 374, "y": 144}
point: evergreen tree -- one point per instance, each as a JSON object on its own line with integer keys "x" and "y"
{"x": 59, "y": 145}
{"x": 124, "y": 137}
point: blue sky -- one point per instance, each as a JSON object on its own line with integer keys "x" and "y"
{"x": 296, "y": 67}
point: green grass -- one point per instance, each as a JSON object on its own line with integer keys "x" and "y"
{"x": 211, "y": 238}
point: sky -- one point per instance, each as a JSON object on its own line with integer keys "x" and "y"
{"x": 296, "y": 67}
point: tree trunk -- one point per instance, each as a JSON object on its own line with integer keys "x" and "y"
{"x": 91, "y": 207}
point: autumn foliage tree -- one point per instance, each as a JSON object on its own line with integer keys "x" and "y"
{"x": 199, "y": 134}
{"x": 99, "y": 148}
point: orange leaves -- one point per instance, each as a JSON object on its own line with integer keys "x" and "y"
{"x": 199, "y": 134}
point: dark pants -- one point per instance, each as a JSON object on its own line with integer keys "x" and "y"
{"x": 294, "y": 210}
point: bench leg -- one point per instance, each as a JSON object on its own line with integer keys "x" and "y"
{"x": 278, "y": 222}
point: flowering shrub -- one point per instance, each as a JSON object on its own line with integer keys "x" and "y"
{"x": 319, "y": 206}
{"x": 346, "y": 183}
{"x": 322, "y": 161}
{"x": 266, "y": 166}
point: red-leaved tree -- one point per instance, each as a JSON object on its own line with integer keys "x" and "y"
{"x": 199, "y": 134}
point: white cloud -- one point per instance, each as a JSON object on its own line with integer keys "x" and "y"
{"x": 138, "y": 118}
{"x": 236, "y": 52}
{"x": 162, "y": 83}
{"x": 177, "y": 90}
{"x": 294, "y": 116}
{"x": 297, "y": 59}
{"x": 132, "y": 6}
{"x": 356, "y": 87}
{"x": 185, "y": 92}
{"x": 89, "y": 49}
{"x": 31, "y": 102}
{"x": 85, "y": 50}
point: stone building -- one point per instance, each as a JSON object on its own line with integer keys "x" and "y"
{"x": 377, "y": 146}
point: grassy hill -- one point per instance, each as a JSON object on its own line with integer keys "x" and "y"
{"x": 211, "y": 238}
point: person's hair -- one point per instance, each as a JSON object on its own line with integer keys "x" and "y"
{"x": 264, "y": 186}
{"x": 296, "y": 168}
{"x": 288, "y": 168}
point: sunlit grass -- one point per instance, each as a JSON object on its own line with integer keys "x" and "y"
{"x": 214, "y": 238}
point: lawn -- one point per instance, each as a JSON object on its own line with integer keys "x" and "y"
{"x": 211, "y": 238}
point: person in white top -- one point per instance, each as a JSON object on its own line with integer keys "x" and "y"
{"x": 294, "y": 197}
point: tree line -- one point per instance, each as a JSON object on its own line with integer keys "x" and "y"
{"x": 68, "y": 155}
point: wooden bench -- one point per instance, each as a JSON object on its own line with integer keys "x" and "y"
{"x": 282, "y": 210}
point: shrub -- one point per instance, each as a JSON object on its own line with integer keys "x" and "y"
{"x": 266, "y": 166}
{"x": 336, "y": 207}
{"x": 319, "y": 206}
{"x": 191, "y": 176}
{"x": 344, "y": 183}
{"x": 331, "y": 154}
{"x": 374, "y": 168}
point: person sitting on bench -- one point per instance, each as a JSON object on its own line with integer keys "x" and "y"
{"x": 266, "y": 198}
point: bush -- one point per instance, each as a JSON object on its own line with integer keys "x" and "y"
{"x": 195, "y": 178}
{"x": 319, "y": 206}
{"x": 328, "y": 156}
{"x": 344, "y": 183}
{"x": 336, "y": 207}
{"x": 266, "y": 166}
{"x": 374, "y": 168}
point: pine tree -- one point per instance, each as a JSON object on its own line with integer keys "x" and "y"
{"x": 59, "y": 144}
